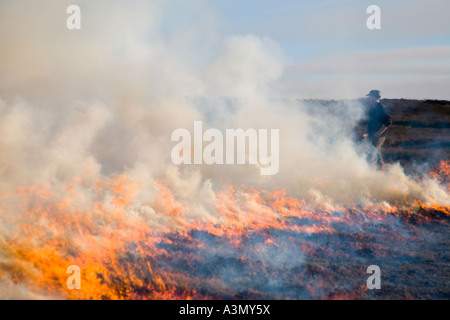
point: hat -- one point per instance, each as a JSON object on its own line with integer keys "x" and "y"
{"x": 374, "y": 93}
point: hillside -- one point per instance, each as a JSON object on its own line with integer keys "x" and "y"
{"x": 420, "y": 132}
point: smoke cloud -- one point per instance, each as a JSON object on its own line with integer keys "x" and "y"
{"x": 106, "y": 98}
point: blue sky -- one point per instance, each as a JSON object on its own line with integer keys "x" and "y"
{"x": 315, "y": 32}
{"x": 328, "y": 52}
{"x": 321, "y": 26}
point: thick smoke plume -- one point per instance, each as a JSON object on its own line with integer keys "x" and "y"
{"x": 106, "y": 98}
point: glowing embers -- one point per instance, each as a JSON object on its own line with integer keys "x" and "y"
{"x": 442, "y": 173}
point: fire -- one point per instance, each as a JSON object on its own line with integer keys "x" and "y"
{"x": 257, "y": 245}
{"x": 442, "y": 173}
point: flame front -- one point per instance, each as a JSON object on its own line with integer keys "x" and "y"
{"x": 254, "y": 246}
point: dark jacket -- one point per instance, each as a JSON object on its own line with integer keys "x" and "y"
{"x": 378, "y": 117}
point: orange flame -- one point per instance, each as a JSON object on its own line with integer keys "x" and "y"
{"x": 123, "y": 255}
{"x": 442, "y": 173}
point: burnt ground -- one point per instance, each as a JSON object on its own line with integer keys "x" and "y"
{"x": 412, "y": 255}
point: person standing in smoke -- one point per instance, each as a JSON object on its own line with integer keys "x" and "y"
{"x": 379, "y": 120}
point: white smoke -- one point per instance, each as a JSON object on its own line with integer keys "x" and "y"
{"x": 106, "y": 98}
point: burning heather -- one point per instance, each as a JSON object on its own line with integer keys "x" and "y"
{"x": 87, "y": 179}
{"x": 253, "y": 245}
